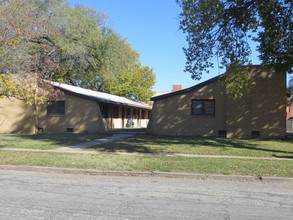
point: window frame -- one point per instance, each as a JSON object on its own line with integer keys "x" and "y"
{"x": 203, "y": 113}
{"x": 56, "y": 108}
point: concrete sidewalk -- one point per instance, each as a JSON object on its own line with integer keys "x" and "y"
{"x": 76, "y": 150}
{"x": 92, "y": 151}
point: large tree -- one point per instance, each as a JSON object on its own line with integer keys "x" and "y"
{"x": 134, "y": 82}
{"x": 99, "y": 57}
{"x": 50, "y": 40}
{"x": 24, "y": 28}
{"x": 224, "y": 28}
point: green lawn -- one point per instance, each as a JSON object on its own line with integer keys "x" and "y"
{"x": 202, "y": 146}
{"x": 254, "y": 167}
{"x": 155, "y": 144}
{"x": 45, "y": 141}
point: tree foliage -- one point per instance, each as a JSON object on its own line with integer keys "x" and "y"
{"x": 13, "y": 88}
{"x": 223, "y": 29}
{"x": 23, "y": 23}
{"x": 51, "y": 40}
{"x": 132, "y": 83}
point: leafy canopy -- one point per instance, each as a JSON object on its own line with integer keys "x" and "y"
{"x": 53, "y": 41}
{"x": 131, "y": 83}
{"x": 23, "y": 34}
{"x": 223, "y": 29}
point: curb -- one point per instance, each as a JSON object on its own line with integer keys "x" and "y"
{"x": 146, "y": 174}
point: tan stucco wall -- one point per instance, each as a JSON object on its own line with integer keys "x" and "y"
{"x": 81, "y": 114}
{"x": 16, "y": 117}
{"x": 172, "y": 115}
{"x": 264, "y": 110}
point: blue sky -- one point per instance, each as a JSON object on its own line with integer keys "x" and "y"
{"x": 152, "y": 28}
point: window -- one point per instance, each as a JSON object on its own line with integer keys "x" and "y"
{"x": 56, "y": 108}
{"x": 203, "y": 107}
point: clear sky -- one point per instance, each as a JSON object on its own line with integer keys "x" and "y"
{"x": 152, "y": 29}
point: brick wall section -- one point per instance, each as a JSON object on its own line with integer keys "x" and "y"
{"x": 263, "y": 111}
{"x": 82, "y": 115}
{"x": 172, "y": 115}
{"x": 16, "y": 117}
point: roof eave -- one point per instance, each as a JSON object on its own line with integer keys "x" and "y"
{"x": 186, "y": 90}
{"x": 104, "y": 100}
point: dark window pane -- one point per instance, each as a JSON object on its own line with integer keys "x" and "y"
{"x": 209, "y": 107}
{"x": 197, "y": 107}
{"x": 203, "y": 107}
{"x": 56, "y": 108}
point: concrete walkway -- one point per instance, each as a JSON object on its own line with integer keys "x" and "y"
{"x": 90, "y": 144}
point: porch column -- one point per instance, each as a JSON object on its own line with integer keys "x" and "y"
{"x": 123, "y": 116}
{"x": 139, "y": 118}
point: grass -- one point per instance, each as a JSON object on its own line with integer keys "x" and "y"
{"x": 154, "y": 144}
{"x": 45, "y": 141}
{"x": 255, "y": 167}
{"x": 157, "y": 144}
{"x": 202, "y": 146}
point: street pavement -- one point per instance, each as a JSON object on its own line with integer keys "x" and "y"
{"x": 39, "y": 195}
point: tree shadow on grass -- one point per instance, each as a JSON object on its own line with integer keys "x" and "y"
{"x": 284, "y": 157}
{"x": 246, "y": 144}
{"x": 129, "y": 145}
{"x": 62, "y": 139}
{"x": 159, "y": 144}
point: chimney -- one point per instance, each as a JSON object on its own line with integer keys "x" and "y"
{"x": 176, "y": 88}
